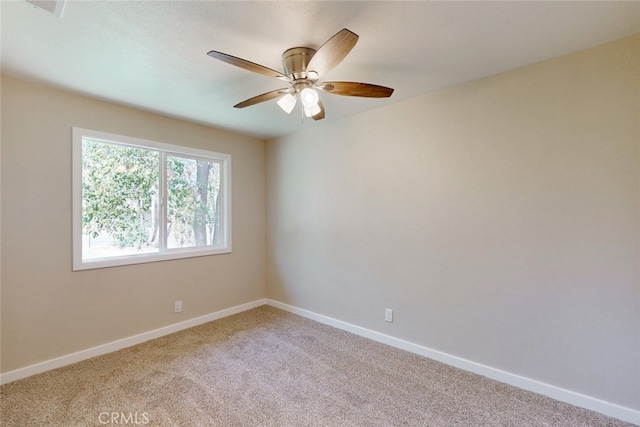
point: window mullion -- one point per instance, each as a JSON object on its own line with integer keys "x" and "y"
{"x": 162, "y": 185}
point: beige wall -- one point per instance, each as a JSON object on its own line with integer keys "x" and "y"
{"x": 499, "y": 219}
{"x": 49, "y": 310}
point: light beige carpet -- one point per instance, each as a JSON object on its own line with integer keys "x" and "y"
{"x": 267, "y": 367}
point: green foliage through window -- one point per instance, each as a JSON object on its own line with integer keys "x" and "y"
{"x": 119, "y": 186}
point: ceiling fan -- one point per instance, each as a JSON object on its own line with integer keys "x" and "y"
{"x": 303, "y": 67}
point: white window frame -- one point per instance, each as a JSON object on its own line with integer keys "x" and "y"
{"x": 165, "y": 149}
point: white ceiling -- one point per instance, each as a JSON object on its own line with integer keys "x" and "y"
{"x": 152, "y": 54}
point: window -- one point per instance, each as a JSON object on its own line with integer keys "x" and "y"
{"x": 138, "y": 201}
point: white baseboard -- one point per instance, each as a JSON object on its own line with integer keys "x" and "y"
{"x": 123, "y": 343}
{"x": 557, "y": 393}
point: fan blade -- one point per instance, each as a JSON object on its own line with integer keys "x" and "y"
{"x": 356, "y": 89}
{"x": 247, "y": 65}
{"x": 320, "y": 115}
{"x": 261, "y": 98}
{"x": 332, "y": 52}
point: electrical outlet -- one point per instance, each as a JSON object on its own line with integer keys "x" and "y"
{"x": 388, "y": 314}
{"x": 177, "y": 306}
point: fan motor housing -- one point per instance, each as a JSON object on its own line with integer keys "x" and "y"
{"x": 295, "y": 61}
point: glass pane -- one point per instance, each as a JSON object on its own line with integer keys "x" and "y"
{"x": 193, "y": 202}
{"x": 119, "y": 200}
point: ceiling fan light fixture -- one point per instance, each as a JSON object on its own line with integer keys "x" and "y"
{"x": 287, "y": 103}
{"x": 309, "y": 98}
{"x": 311, "y": 111}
